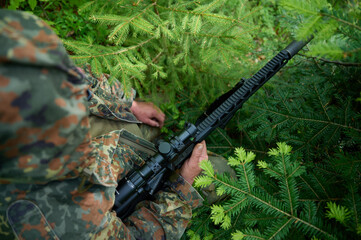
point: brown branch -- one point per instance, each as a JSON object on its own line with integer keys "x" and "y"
{"x": 347, "y": 64}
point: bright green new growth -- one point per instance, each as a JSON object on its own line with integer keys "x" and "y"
{"x": 162, "y": 47}
{"x": 340, "y": 213}
{"x": 268, "y": 203}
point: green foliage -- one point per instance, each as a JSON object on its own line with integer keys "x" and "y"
{"x": 336, "y": 27}
{"x": 340, "y": 213}
{"x": 184, "y": 54}
{"x": 273, "y": 202}
{"x": 165, "y": 48}
{"x": 61, "y": 16}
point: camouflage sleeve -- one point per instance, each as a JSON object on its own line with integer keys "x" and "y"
{"x": 103, "y": 102}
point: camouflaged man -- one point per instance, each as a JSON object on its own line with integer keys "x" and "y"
{"x": 57, "y": 178}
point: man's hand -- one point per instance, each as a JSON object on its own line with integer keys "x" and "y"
{"x": 148, "y": 113}
{"x": 190, "y": 168}
{"x": 145, "y": 112}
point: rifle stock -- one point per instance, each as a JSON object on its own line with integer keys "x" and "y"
{"x": 145, "y": 182}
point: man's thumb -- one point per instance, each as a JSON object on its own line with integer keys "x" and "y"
{"x": 198, "y": 151}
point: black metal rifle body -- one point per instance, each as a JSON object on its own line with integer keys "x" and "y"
{"x": 145, "y": 182}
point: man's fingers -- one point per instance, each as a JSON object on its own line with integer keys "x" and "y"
{"x": 151, "y": 122}
{"x": 159, "y": 117}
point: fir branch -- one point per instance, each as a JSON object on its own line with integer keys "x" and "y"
{"x": 236, "y": 205}
{"x": 347, "y": 64}
{"x": 220, "y": 36}
{"x": 287, "y": 183}
{"x": 210, "y": 6}
{"x": 322, "y": 105}
{"x": 273, "y": 207}
{"x": 296, "y": 169}
{"x": 341, "y": 20}
{"x": 309, "y": 186}
{"x": 254, "y": 236}
{"x": 116, "y": 52}
{"x": 321, "y": 185}
{"x": 130, "y": 20}
{"x": 354, "y": 206}
{"x": 300, "y": 7}
{"x": 250, "y": 13}
{"x": 320, "y": 200}
{"x": 333, "y": 134}
{"x": 202, "y": 14}
{"x": 305, "y": 119}
{"x": 277, "y": 173}
{"x": 77, "y": 46}
{"x": 281, "y": 228}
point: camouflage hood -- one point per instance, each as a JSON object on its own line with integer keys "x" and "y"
{"x": 26, "y": 39}
{"x": 43, "y": 113}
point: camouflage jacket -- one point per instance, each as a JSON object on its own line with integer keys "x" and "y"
{"x": 56, "y": 182}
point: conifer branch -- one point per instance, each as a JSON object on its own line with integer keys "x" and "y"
{"x": 202, "y": 14}
{"x": 122, "y": 72}
{"x": 230, "y": 144}
{"x": 220, "y": 36}
{"x": 333, "y": 134}
{"x": 309, "y": 186}
{"x": 346, "y": 64}
{"x": 235, "y": 205}
{"x": 252, "y": 196}
{"x": 280, "y": 123}
{"x": 254, "y": 236}
{"x": 116, "y": 52}
{"x": 324, "y": 190}
{"x": 354, "y": 206}
{"x": 322, "y": 105}
{"x": 346, "y": 109}
{"x": 341, "y": 20}
{"x": 200, "y": 225}
{"x": 283, "y": 102}
{"x": 273, "y": 207}
{"x": 313, "y": 137}
{"x": 245, "y": 132}
{"x": 283, "y": 226}
{"x": 320, "y": 200}
{"x": 250, "y": 13}
{"x": 76, "y": 46}
{"x": 287, "y": 184}
{"x": 210, "y": 6}
{"x": 269, "y": 169}
{"x": 306, "y": 119}
{"x": 245, "y": 175}
{"x": 130, "y": 20}
{"x": 294, "y": 171}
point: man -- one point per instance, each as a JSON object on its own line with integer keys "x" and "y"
{"x": 58, "y": 181}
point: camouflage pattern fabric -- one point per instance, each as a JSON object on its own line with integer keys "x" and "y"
{"x": 56, "y": 182}
{"x": 105, "y": 104}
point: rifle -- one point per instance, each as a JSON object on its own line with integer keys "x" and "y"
{"x": 143, "y": 183}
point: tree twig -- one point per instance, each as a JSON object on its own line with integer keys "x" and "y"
{"x": 347, "y": 64}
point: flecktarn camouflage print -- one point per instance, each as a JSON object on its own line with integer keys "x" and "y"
{"x": 56, "y": 181}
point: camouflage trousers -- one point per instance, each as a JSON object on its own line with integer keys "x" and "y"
{"x": 99, "y": 126}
